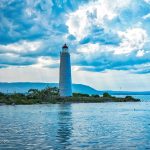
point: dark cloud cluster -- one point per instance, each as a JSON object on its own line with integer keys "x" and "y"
{"x": 99, "y": 35}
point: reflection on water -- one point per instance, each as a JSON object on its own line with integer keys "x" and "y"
{"x": 76, "y": 126}
{"x": 64, "y": 125}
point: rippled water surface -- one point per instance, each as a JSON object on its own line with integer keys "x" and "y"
{"x": 103, "y": 126}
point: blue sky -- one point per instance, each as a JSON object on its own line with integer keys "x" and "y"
{"x": 109, "y": 41}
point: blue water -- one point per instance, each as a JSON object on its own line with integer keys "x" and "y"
{"x": 96, "y": 126}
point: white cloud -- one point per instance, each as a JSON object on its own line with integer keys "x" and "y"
{"x": 95, "y": 12}
{"x": 132, "y": 39}
{"x": 14, "y": 59}
{"x": 147, "y": 1}
{"x": 140, "y": 53}
{"x": 89, "y": 52}
{"x": 45, "y": 62}
{"x": 92, "y": 52}
{"x": 89, "y": 48}
{"x": 94, "y": 48}
{"x": 21, "y": 47}
{"x": 141, "y": 68}
{"x": 146, "y": 16}
{"x": 29, "y": 74}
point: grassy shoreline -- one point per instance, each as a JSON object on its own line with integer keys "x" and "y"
{"x": 51, "y": 96}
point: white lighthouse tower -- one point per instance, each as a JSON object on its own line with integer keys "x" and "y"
{"x": 65, "y": 83}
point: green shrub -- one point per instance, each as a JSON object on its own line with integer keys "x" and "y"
{"x": 95, "y": 95}
{"x": 106, "y": 94}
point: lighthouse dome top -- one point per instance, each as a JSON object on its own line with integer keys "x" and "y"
{"x": 65, "y": 46}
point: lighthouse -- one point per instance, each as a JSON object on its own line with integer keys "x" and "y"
{"x": 65, "y": 83}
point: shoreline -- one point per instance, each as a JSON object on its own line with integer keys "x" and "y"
{"x": 63, "y": 103}
{"x": 66, "y": 101}
{"x": 51, "y": 96}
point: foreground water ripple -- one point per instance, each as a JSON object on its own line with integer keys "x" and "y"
{"x": 109, "y": 126}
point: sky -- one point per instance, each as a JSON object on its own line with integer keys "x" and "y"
{"x": 109, "y": 42}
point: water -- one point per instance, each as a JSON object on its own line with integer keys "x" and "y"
{"x": 95, "y": 126}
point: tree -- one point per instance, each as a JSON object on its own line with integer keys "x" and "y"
{"x": 33, "y": 93}
{"x": 2, "y": 94}
{"x": 95, "y": 95}
{"x": 106, "y": 94}
{"x": 80, "y": 95}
